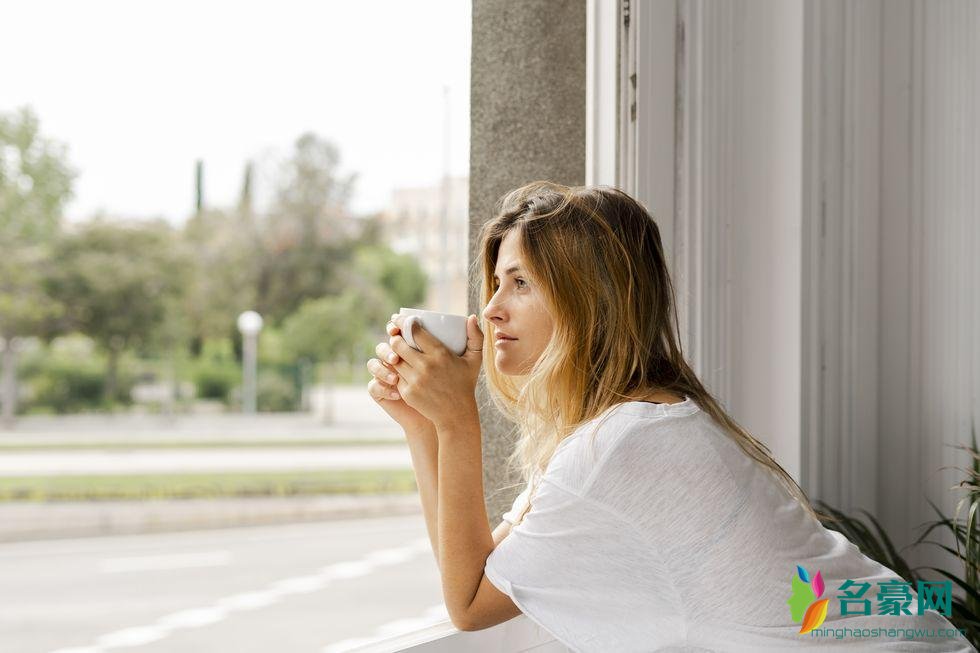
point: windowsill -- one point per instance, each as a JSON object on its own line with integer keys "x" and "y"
{"x": 517, "y": 634}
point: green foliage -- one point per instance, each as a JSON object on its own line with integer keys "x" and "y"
{"x": 311, "y": 197}
{"x": 273, "y": 348}
{"x": 275, "y": 392}
{"x": 338, "y": 327}
{"x": 35, "y": 184}
{"x": 35, "y": 181}
{"x": 25, "y": 306}
{"x": 400, "y": 275}
{"x": 323, "y": 281}
{"x": 307, "y": 234}
{"x": 118, "y": 282}
{"x": 63, "y": 383}
{"x": 214, "y": 380}
{"x": 224, "y": 258}
{"x": 875, "y": 543}
{"x": 216, "y": 372}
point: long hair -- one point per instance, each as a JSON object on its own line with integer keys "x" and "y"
{"x": 596, "y": 256}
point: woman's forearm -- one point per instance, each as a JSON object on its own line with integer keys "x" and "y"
{"x": 424, "y": 448}
{"x": 465, "y": 539}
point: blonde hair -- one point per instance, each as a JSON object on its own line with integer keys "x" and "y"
{"x": 596, "y": 256}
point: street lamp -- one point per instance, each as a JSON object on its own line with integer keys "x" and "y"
{"x": 249, "y": 323}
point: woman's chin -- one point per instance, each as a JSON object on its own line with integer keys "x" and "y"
{"x": 509, "y": 368}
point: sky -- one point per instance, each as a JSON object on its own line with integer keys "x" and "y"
{"x": 139, "y": 91}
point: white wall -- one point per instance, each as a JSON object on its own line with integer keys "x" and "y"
{"x": 825, "y": 230}
{"x": 736, "y": 229}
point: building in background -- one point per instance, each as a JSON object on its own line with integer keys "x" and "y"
{"x": 431, "y": 223}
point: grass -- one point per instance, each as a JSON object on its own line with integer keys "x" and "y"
{"x": 210, "y": 485}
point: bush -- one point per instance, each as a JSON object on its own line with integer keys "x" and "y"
{"x": 61, "y": 385}
{"x": 276, "y": 393}
{"x": 215, "y": 380}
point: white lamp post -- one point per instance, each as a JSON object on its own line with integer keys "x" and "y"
{"x": 249, "y": 323}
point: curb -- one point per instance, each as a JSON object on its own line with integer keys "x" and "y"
{"x": 25, "y": 521}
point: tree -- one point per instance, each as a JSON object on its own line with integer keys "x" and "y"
{"x": 400, "y": 275}
{"x": 117, "y": 281}
{"x": 35, "y": 184}
{"x": 35, "y": 181}
{"x": 341, "y": 327}
{"x": 310, "y": 198}
{"x": 307, "y": 231}
{"x": 225, "y": 260}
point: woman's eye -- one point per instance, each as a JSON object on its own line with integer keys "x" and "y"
{"x": 496, "y": 285}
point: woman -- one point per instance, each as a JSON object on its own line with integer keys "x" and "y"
{"x": 650, "y": 520}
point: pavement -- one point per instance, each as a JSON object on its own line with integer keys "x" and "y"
{"x": 354, "y": 416}
{"x": 150, "y": 461}
{"x": 349, "y": 414}
{"x": 20, "y": 521}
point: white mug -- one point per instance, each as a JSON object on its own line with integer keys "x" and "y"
{"x": 449, "y": 329}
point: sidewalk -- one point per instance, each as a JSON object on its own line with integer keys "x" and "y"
{"x": 355, "y": 416}
{"x": 36, "y": 521}
{"x": 190, "y": 461}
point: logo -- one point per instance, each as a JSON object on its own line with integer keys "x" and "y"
{"x": 808, "y": 606}
{"x": 805, "y": 604}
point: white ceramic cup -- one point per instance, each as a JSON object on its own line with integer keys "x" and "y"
{"x": 447, "y": 328}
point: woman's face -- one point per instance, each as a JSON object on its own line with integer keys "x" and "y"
{"x": 516, "y": 310}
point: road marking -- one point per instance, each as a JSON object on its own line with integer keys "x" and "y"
{"x": 172, "y": 561}
{"x": 276, "y": 591}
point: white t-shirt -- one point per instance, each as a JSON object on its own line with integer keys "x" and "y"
{"x": 663, "y": 535}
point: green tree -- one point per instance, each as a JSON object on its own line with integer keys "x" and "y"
{"x": 399, "y": 275}
{"x": 118, "y": 281}
{"x": 35, "y": 184}
{"x": 225, "y": 260}
{"x": 311, "y": 198}
{"x": 340, "y": 327}
{"x": 307, "y": 231}
{"x": 35, "y": 181}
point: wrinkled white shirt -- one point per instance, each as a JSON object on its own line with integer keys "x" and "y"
{"x": 664, "y": 535}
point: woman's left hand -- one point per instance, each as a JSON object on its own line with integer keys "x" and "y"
{"x": 437, "y": 382}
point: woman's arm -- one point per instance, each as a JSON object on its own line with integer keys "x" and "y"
{"x": 424, "y": 448}
{"x": 465, "y": 540}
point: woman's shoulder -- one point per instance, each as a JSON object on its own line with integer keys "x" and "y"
{"x": 630, "y": 430}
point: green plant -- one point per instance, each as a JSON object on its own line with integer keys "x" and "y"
{"x": 878, "y": 546}
{"x": 61, "y": 384}
{"x": 215, "y": 380}
{"x": 967, "y": 537}
{"x": 276, "y": 393}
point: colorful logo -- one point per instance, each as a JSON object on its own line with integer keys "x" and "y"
{"x": 805, "y": 603}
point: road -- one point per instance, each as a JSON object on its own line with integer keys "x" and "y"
{"x": 318, "y": 587}
{"x": 225, "y": 459}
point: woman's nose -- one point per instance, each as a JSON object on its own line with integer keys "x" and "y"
{"x": 489, "y": 312}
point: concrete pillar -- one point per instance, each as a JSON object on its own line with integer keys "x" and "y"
{"x": 527, "y": 122}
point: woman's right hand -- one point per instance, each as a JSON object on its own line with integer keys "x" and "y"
{"x": 383, "y": 388}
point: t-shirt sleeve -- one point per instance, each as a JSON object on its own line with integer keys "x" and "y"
{"x": 520, "y": 503}
{"x": 575, "y": 569}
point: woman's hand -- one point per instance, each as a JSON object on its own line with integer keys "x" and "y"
{"x": 435, "y": 381}
{"x": 383, "y": 389}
